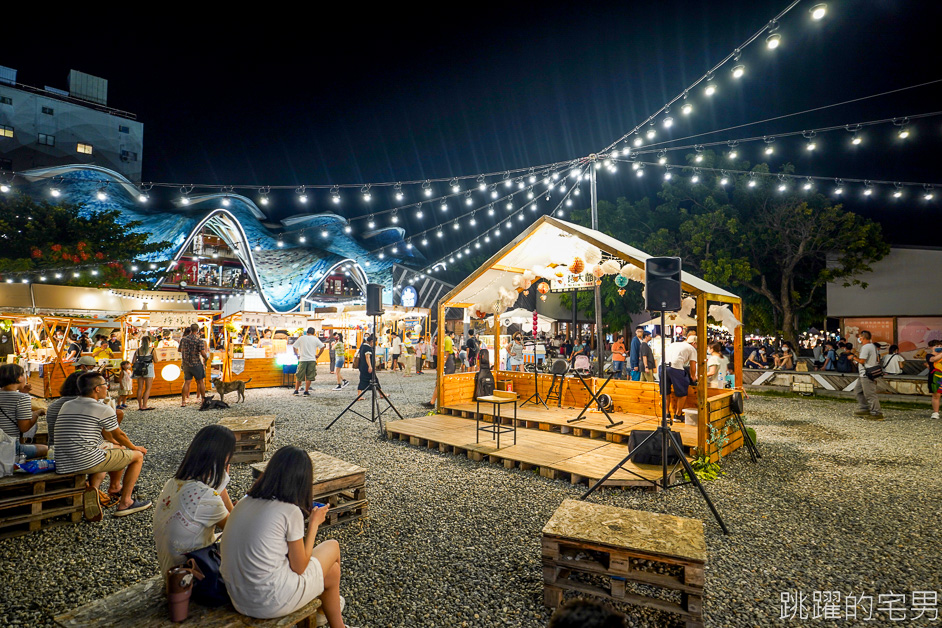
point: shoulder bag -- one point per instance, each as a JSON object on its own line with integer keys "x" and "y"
{"x": 210, "y": 590}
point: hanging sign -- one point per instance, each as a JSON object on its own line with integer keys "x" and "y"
{"x": 570, "y": 281}
{"x": 237, "y": 366}
{"x": 172, "y": 319}
{"x": 409, "y": 297}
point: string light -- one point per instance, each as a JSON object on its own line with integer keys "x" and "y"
{"x": 733, "y": 153}
{"x": 868, "y": 189}
{"x": 102, "y": 194}
{"x": 335, "y": 194}
{"x": 454, "y": 186}
{"x": 263, "y": 195}
{"x": 928, "y": 195}
{"x": 818, "y": 11}
{"x": 840, "y": 187}
{"x": 662, "y": 157}
{"x": 398, "y": 191}
{"x": 769, "y": 149}
{"x": 773, "y": 41}
{"x": 365, "y": 192}
{"x": 752, "y": 180}
{"x": 710, "y": 88}
{"x": 898, "y": 192}
{"x": 427, "y": 187}
{"x": 371, "y": 222}
{"x": 738, "y": 71}
{"x": 808, "y": 184}
{"x": 4, "y": 188}
{"x": 302, "y": 196}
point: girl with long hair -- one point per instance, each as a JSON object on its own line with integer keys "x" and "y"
{"x": 195, "y": 501}
{"x": 270, "y": 566}
{"x": 145, "y": 381}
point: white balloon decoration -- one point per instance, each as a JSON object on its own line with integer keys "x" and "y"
{"x": 632, "y": 272}
{"x": 593, "y": 255}
{"x": 611, "y": 267}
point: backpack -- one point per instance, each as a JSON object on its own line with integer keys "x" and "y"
{"x": 472, "y": 346}
{"x": 843, "y": 364}
{"x": 141, "y": 362}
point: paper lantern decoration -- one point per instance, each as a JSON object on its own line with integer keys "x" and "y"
{"x": 621, "y": 292}
{"x": 621, "y": 281}
{"x": 593, "y": 255}
{"x": 598, "y": 272}
{"x": 611, "y": 267}
{"x": 577, "y": 266}
{"x": 543, "y": 288}
{"x": 170, "y": 372}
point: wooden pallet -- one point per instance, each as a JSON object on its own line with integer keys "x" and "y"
{"x": 554, "y": 455}
{"x": 602, "y": 551}
{"x": 338, "y": 483}
{"x": 31, "y": 502}
{"x": 253, "y": 434}
{"x": 42, "y": 433}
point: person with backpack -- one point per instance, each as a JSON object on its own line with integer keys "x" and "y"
{"x": 143, "y": 370}
{"x": 473, "y": 347}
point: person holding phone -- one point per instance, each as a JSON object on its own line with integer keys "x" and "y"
{"x": 270, "y": 566}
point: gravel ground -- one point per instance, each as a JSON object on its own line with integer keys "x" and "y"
{"x": 837, "y": 503}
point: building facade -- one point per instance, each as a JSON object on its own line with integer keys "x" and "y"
{"x": 43, "y": 127}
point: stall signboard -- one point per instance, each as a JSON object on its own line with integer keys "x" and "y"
{"x": 881, "y": 329}
{"x": 915, "y": 333}
{"x": 409, "y": 297}
{"x": 172, "y": 319}
{"x": 278, "y": 321}
{"x": 569, "y": 281}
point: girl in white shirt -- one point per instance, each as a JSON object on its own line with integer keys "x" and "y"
{"x": 717, "y": 366}
{"x": 195, "y": 502}
{"x": 271, "y": 568}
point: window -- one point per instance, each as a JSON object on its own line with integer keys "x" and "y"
{"x": 85, "y": 149}
{"x": 6, "y": 100}
{"x": 48, "y": 111}
{"x": 127, "y": 155}
{"x": 47, "y": 140}
{"x": 6, "y": 131}
{"x": 123, "y": 129}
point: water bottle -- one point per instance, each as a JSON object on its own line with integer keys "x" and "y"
{"x": 20, "y": 458}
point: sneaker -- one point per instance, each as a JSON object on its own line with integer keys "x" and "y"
{"x": 307, "y": 393}
{"x": 296, "y": 393}
{"x": 934, "y": 415}
{"x": 876, "y": 417}
{"x": 91, "y": 503}
{"x": 136, "y": 506}
{"x": 862, "y": 413}
{"x": 345, "y": 382}
{"x": 337, "y": 387}
{"x": 320, "y": 619}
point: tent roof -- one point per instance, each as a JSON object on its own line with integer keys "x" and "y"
{"x": 550, "y": 240}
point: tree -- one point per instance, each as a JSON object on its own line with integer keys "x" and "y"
{"x": 60, "y": 238}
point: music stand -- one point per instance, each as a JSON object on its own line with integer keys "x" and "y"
{"x": 663, "y": 433}
{"x": 536, "y": 383}
{"x": 375, "y": 391}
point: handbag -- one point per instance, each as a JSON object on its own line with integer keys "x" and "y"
{"x": 873, "y": 372}
{"x": 211, "y": 590}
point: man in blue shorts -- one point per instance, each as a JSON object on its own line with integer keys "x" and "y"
{"x": 678, "y": 356}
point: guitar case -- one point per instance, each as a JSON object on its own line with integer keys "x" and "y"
{"x": 484, "y": 380}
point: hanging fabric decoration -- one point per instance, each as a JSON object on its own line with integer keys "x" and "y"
{"x": 688, "y": 304}
{"x": 519, "y": 283}
{"x": 593, "y": 255}
{"x": 611, "y": 267}
{"x": 725, "y": 316}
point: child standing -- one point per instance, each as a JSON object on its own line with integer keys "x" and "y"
{"x": 124, "y": 385}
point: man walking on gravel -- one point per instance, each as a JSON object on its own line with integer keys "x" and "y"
{"x": 866, "y": 389}
{"x": 193, "y": 354}
{"x": 308, "y": 348}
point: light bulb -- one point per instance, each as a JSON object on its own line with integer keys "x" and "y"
{"x": 686, "y": 109}
{"x": 424, "y": 242}
{"x": 710, "y": 88}
{"x": 903, "y": 133}
{"x": 302, "y": 198}
{"x": 733, "y": 154}
{"x": 370, "y": 224}
{"x": 773, "y": 41}
{"x": 568, "y": 202}
{"x": 280, "y": 243}
{"x": 394, "y": 219}
{"x": 662, "y": 160}
{"x": 811, "y": 145}
{"x": 839, "y": 190}
{"x": 898, "y": 193}
{"x": 444, "y": 206}
{"x": 738, "y": 71}
{"x": 55, "y": 192}
{"x": 782, "y": 187}
{"x": 348, "y": 229}
{"x": 263, "y": 200}
{"x": 724, "y": 181}
{"x": 769, "y": 150}
{"x": 637, "y": 141}
{"x": 752, "y": 183}
{"x": 640, "y": 172}
{"x": 324, "y": 233}
{"x": 806, "y": 186}
{"x": 456, "y": 226}
{"x": 868, "y": 191}
{"x": 225, "y": 201}
{"x": 698, "y": 158}
{"x": 302, "y": 240}
{"x": 510, "y": 206}
{"x": 928, "y": 196}
{"x": 668, "y": 176}
{"x": 101, "y": 195}
{"x": 418, "y": 214}
{"x": 856, "y": 140}
{"x": 468, "y": 201}
{"x": 818, "y": 11}
{"x": 440, "y": 233}
{"x": 651, "y": 133}
{"x": 695, "y": 178}
{"x": 428, "y": 191}
{"x": 668, "y": 122}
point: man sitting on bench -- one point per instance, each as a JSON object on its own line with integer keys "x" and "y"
{"x": 78, "y": 447}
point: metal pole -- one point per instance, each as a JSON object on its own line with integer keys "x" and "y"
{"x": 600, "y": 342}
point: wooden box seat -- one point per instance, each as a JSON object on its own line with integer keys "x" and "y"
{"x": 144, "y": 605}
{"x": 253, "y": 435}
{"x": 29, "y": 502}
{"x": 338, "y": 483}
{"x": 598, "y": 550}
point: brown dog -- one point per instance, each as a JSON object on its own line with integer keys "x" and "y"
{"x": 237, "y": 386}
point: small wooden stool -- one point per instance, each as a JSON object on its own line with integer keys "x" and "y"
{"x": 338, "y": 483}
{"x": 620, "y": 545}
{"x": 253, "y": 435}
{"x": 498, "y": 399}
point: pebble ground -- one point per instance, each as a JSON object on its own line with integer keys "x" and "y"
{"x": 837, "y": 503}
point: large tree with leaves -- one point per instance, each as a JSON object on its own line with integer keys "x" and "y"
{"x": 60, "y": 238}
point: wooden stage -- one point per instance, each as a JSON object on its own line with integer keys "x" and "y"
{"x": 582, "y": 459}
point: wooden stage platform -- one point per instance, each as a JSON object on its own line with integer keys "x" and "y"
{"x": 581, "y": 459}
{"x": 594, "y": 425}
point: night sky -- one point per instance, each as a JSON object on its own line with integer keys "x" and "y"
{"x": 428, "y": 92}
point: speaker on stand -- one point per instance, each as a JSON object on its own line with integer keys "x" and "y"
{"x": 662, "y": 291}
{"x": 374, "y": 299}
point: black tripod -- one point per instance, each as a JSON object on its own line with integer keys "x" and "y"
{"x": 376, "y": 415}
{"x": 663, "y": 434}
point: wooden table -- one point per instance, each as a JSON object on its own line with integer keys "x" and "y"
{"x": 338, "y": 483}
{"x": 498, "y": 399}
{"x": 625, "y": 546}
{"x": 253, "y": 435}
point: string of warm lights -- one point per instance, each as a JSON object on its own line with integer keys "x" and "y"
{"x": 773, "y": 40}
{"x": 725, "y": 178}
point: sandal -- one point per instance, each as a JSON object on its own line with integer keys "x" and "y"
{"x": 136, "y": 506}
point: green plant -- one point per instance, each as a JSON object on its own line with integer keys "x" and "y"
{"x": 705, "y": 470}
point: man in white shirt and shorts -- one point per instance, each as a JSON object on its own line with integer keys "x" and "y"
{"x": 308, "y": 348}
{"x": 677, "y": 356}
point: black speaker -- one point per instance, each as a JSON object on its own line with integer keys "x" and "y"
{"x": 662, "y": 291}
{"x": 374, "y": 299}
{"x": 651, "y": 452}
{"x": 736, "y": 403}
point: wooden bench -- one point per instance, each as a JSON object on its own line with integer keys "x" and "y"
{"x": 144, "y": 605}
{"x": 598, "y": 550}
{"x": 338, "y": 483}
{"x": 253, "y": 435}
{"x": 29, "y": 502}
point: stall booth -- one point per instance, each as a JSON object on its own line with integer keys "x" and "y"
{"x": 257, "y": 346}
{"x": 547, "y": 436}
{"x": 168, "y": 366}
{"x": 353, "y": 323}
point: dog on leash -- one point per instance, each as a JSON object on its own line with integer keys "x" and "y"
{"x": 236, "y": 386}
{"x": 213, "y": 404}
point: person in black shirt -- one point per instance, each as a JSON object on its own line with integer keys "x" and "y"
{"x": 472, "y": 349}
{"x": 366, "y": 365}
{"x": 113, "y": 343}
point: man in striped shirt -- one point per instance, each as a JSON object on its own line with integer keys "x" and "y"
{"x": 78, "y": 447}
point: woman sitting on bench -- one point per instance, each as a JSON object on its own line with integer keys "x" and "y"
{"x": 195, "y": 502}
{"x": 271, "y": 568}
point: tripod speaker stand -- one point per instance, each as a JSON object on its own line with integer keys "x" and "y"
{"x": 376, "y": 415}
{"x": 663, "y": 433}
